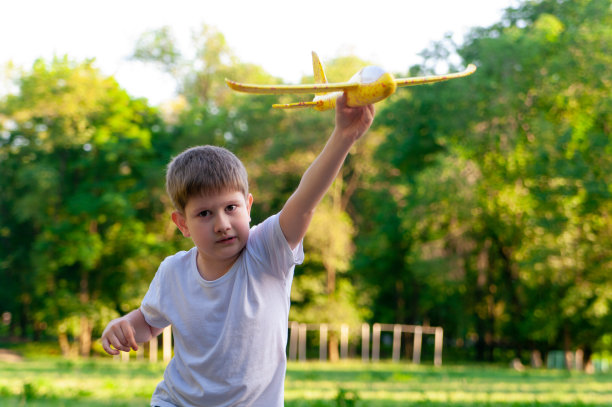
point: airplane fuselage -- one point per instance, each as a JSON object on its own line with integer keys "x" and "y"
{"x": 375, "y": 84}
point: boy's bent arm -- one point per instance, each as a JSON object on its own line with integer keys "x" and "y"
{"x": 351, "y": 124}
{"x": 126, "y": 332}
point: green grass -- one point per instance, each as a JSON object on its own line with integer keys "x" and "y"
{"x": 53, "y": 381}
{"x": 391, "y": 384}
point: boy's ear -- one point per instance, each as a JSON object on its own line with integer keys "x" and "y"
{"x": 179, "y": 220}
{"x": 249, "y": 203}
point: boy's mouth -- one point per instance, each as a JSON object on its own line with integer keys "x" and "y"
{"x": 228, "y": 239}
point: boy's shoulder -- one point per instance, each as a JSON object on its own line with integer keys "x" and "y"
{"x": 263, "y": 232}
{"x": 180, "y": 256}
{"x": 178, "y": 261}
{"x": 267, "y": 245}
{"x": 267, "y": 222}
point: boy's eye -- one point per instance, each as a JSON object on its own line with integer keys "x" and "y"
{"x": 204, "y": 213}
{"x": 231, "y": 208}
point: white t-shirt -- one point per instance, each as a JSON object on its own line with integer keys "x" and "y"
{"x": 230, "y": 334}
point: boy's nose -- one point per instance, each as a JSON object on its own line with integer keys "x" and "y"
{"x": 222, "y": 224}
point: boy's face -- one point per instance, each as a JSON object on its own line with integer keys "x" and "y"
{"x": 218, "y": 224}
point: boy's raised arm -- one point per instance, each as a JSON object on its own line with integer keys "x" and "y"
{"x": 351, "y": 124}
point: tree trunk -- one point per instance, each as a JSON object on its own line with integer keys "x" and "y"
{"x": 64, "y": 344}
{"x": 85, "y": 324}
{"x": 400, "y": 313}
{"x": 331, "y": 293}
{"x": 333, "y": 354}
{"x": 85, "y": 337}
{"x": 480, "y": 294}
{"x": 567, "y": 347}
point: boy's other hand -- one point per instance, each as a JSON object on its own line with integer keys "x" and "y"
{"x": 353, "y": 122}
{"x": 121, "y": 335}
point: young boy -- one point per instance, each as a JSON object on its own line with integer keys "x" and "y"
{"x": 228, "y": 298}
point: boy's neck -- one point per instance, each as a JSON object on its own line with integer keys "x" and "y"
{"x": 213, "y": 270}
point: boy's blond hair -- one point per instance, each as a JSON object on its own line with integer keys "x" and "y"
{"x": 204, "y": 170}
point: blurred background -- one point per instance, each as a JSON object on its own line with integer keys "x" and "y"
{"x": 481, "y": 205}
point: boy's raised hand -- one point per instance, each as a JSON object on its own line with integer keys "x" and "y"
{"x": 353, "y": 122}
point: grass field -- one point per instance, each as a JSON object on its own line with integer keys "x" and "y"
{"x": 53, "y": 381}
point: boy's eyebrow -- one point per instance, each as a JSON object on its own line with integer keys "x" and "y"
{"x": 232, "y": 201}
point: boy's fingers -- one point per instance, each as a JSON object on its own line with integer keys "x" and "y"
{"x": 107, "y": 348}
{"x": 128, "y": 334}
{"x": 371, "y": 110}
{"x": 116, "y": 343}
{"x": 341, "y": 104}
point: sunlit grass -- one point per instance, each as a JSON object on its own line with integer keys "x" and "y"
{"x": 53, "y": 381}
{"x": 389, "y": 384}
{"x": 58, "y": 382}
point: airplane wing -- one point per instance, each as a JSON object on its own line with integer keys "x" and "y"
{"x": 297, "y": 105}
{"x": 290, "y": 89}
{"x": 419, "y": 80}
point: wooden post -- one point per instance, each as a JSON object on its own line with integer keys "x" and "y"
{"x": 140, "y": 352}
{"x": 293, "y": 341}
{"x": 370, "y": 342}
{"x": 365, "y": 342}
{"x": 302, "y": 342}
{"x": 579, "y": 360}
{"x": 439, "y": 337}
{"x": 397, "y": 342}
{"x": 569, "y": 360}
{"x": 167, "y": 343}
{"x": 376, "y": 343}
{"x": 323, "y": 342}
{"x": 418, "y": 340}
{"x": 344, "y": 340}
{"x": 153, "y": 350}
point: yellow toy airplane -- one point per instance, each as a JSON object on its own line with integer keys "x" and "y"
{"x": 370, "y": 85}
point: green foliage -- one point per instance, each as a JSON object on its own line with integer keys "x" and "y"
{"x": 347, "y": 398}
{"x": 481, "y": 205}
{"x": 29, "y": 392}
{"x": 159, "y": 47}
{"x": 503, "y": 184}
{"x": 77, "y": 193}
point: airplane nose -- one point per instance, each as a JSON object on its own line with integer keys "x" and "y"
{"x": 371, "y": 74}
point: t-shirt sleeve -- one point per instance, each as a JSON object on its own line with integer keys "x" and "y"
{"x": 267, "y": 243}
{"x": 151, "y": 304}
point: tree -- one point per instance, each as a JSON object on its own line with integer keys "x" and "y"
{"x": 528, "y": 234}
{"x": 78, "y": 199}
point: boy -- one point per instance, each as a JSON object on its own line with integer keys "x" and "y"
{"x": 228, "y": 298}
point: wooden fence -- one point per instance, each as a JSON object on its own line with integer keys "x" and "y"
{"x": 368, "y": 337}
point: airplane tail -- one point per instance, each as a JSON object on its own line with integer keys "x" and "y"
{"x": 318, "y": 70}
{"x": 319, "y": 77}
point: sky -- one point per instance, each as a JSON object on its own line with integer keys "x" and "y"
{"x": 278, "y": 35}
